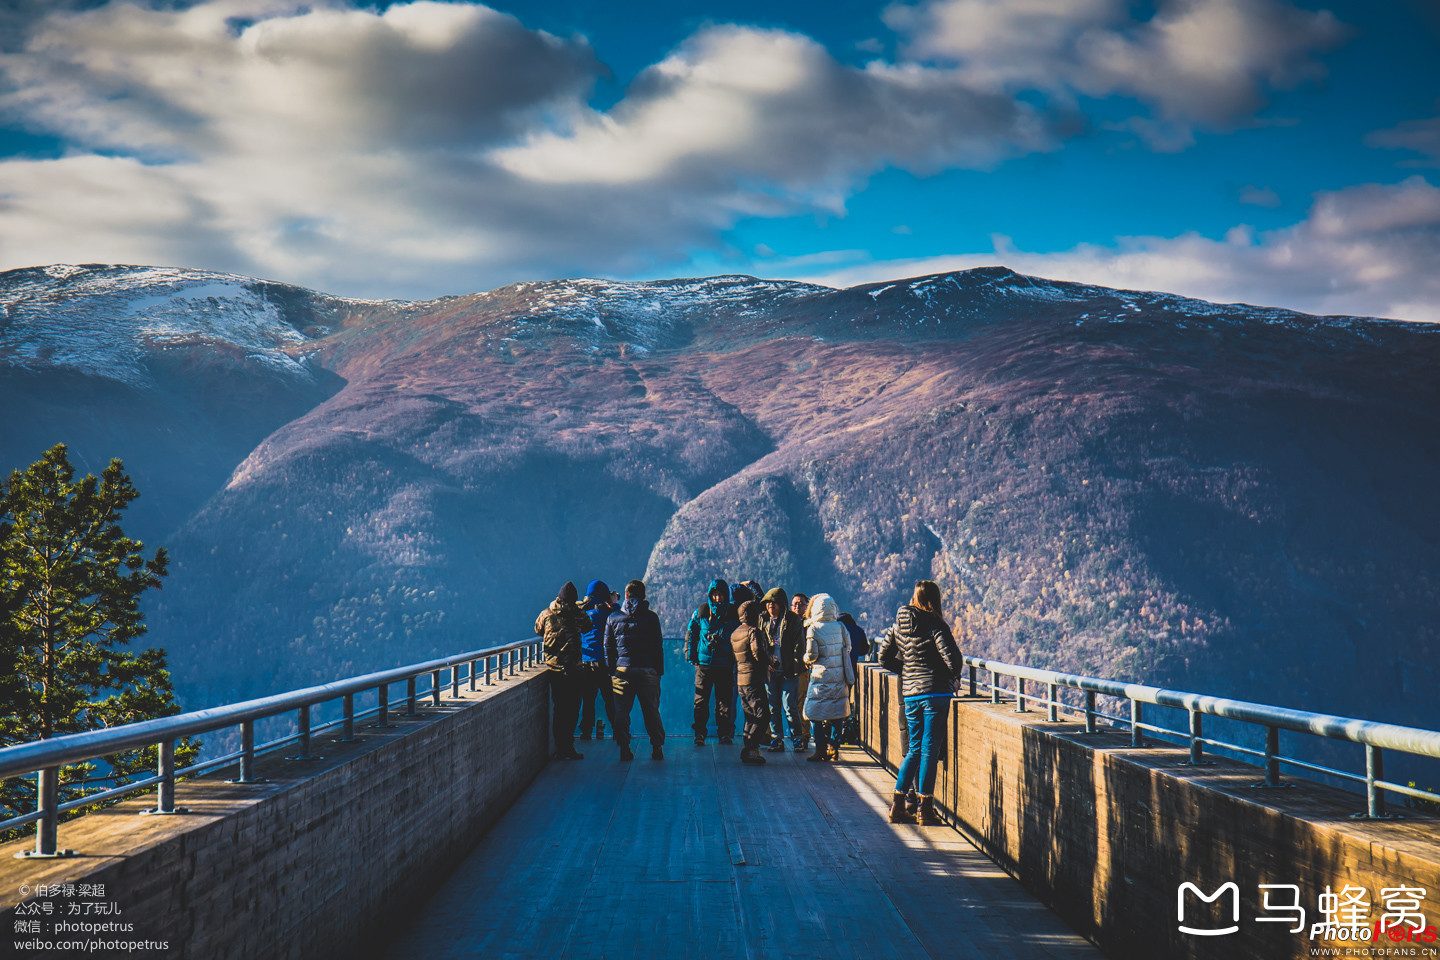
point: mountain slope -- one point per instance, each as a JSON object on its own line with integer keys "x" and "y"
{"x": 1228, "y": 498}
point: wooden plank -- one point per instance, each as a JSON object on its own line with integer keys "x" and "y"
{"x": 699, "y": 855}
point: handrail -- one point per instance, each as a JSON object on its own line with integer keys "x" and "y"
{"x": 1373, "y": 733}
{"x": 1376, "y": 737}
{"x": 48, "y": 756}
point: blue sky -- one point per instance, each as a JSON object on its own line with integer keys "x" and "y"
{"x": 1255, "y": 150}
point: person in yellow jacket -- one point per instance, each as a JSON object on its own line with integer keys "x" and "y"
{"x": 560, "y": 627}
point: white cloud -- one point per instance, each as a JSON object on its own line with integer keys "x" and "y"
{"x": 736, "y": 105}
{"x": 1364, "y": 251}
{"x": 1259, "y": 196}
{"x": 437, "y": 147}
{"x": 1205, "y": 63}
{"x": 445, "y": 147}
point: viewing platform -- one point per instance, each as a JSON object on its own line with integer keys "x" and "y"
{"x": 698, "y": 856}
{"x": 433, "y": 824}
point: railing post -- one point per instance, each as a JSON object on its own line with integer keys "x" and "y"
{"x": 454, "y": 681}
{"x": 165, "y": 768}
{"x": 1053, "y": 714}
{"x": 473, "y": 665}
{"x": 512, "y": 659}
{"x": 348, "y": 734}
{"x": 303, "y": 722}
{"x": 488, "y": 680}
{"x": 1137, "y": 735}
{"x": 1020, "y": 695}
{"x": 435, "y": 687}
{"x": 1090, "y": 712}
{"x": 165, "y": 796}
{"x": 410, "y": 697}
{"x": 994, "y": 687}
{"x": 382, "y": 715}
{"x": 972, "y": 680}
{"x": 247, "y": 752}
{"x": 47, "y": 799}
{"x": 1374, "y": 770}
{"x": 1272, "y": 756}
{"x": 1197, "y": 749}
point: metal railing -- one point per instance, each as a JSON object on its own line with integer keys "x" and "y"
{"x": 44, "y": 758}
{"x": 1376, "y": 737}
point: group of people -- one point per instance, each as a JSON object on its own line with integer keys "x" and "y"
{"x": 791, "y": 661}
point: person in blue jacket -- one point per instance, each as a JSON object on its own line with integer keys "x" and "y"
{"x": 635, "y": 656}
{"x": 707, "y": 646}
{"x": 594, "y": 677}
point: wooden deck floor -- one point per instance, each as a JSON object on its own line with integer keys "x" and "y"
{"x": 698, "y": 856}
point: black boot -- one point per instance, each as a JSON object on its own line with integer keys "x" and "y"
{"x": 898, "y": 813}
{"x": 625, "y": 753}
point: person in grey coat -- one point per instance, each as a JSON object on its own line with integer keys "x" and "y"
{"x": 832, "y": 673}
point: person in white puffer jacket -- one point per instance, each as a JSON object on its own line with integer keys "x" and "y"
{"x": 827, "y": 654}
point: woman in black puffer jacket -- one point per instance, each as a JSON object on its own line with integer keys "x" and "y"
{"x": 923, "y": 651}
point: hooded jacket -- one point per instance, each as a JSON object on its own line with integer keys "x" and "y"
{"x": 827, "y": 653}
{"x": 707, "y": 638}
{"x": 560, "y": 626}
{"x": 788, "y": 639}
{"x": 597, "y": 609}
{"x": 923, "y": 651}
{"x": 750, "y": 647}
{"x": 632, "y": 638}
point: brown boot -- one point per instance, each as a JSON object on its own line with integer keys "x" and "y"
{"x": 928, "y": 816}
{"x": 820, "y": 754}
{"x": 898, "y": 813}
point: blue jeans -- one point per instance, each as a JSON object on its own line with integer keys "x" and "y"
{"x": 785, "y": 704}
{"x": 926, "y": 719}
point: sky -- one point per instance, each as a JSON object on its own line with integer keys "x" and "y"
{"x": 1262, "y": 151}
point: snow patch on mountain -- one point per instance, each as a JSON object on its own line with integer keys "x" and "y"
{"x": 111, "y": 321}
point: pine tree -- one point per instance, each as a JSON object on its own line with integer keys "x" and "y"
{"x": 70, "y": 583}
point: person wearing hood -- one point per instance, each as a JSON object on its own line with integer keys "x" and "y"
{"x": 635, "y": 656}
{"x": 786, "y": 632}
{"x": 832, "y": 674}
{"x": 560, "y": 627}
{"x": 923, "y": 651}
{"x": 594, "y": 678}
{"x": 752, "y": 668}
{"x": 707, "y": 646}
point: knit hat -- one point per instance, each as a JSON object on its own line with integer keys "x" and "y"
{"x": 777, "y": 595}
{"x": 568, "y": 593}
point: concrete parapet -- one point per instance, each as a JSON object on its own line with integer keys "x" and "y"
{"x": 1106, "y": 835}
{"x": 320, "y": 861}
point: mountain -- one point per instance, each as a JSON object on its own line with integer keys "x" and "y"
{"x": 1226, "y": 498}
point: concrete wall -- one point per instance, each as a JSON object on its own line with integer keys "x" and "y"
{"x": 320, "y": 862}
{"x": 1105, "y": 834}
